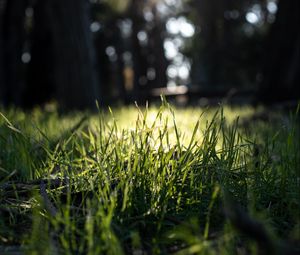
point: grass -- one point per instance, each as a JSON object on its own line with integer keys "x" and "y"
{"x": 155, "y": 180}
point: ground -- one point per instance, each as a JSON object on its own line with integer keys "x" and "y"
{"x": 155, "y": 180}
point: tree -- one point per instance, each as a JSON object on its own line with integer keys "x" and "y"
{"x": 138, "y": 54}
{"x": 13, "y": 39}
{"x": 282, "y": 67}
{"x": 156, "y": 47}
{"x": 40, "y": 76}
{"x": 210, "y": 18}
{"x": 76, "y": 82}
{"x": 63, "y": 58}
{"x": 1, "y": 53}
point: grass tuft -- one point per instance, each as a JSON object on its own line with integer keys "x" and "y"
{"x": 152, "y": 180}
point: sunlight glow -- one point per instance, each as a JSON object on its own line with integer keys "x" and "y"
{"x": 172, "y": 26}
{"x": 252, "y": 17}
{"x": 26, "y": 57}
{"x": 162, "y": 9}
{"x": 248, "y": 29}
{"x": 170, "y": 49}
{"x": 174, "y": 3}
{"x": 186, "y": 28}
{"x": 148, "y": 15}
{"x": 111, "y": 53}
{"x": 180, "y": 26}
{"x": 183, "y": 72}
{"x": 179, "y": 70}
{"x": 151, "y": 73}
{"x": 178, "y": 41}
{"x": 170, "y": 2}
{"x": 142, "y": 37}
{"x": 272, "y": 7}
{"x": 179, "y": 59}
{"x": 95, "y": 26}
{"x": 171, "y": 84}
{"x": 127, "y": 57}
{"x": 172, "y": 71}
{"x": 125, "y": 27}
{"x": 29, "y": 12}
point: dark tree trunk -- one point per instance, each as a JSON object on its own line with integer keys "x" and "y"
{"x": 40, "y": 80}
{"x": 75, "y": 76}
{"x": 159, "y": 62}
{"x": 111, "y": 71}
{"x": 121, "y": 92}
{"x": 139, "y": 61}
{"x": 208, "y": 57}
{"x": 282, "y": 66}
{"x": 13, "y": 40}
{"x": 2, "y": 85}
{"x": 103, "y": 66}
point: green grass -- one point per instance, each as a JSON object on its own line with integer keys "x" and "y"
{"x": 149, "y": 181}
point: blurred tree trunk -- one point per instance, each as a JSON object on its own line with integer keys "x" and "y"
{"x": 121, "y": 92}
{"x": 13, "y": 40}
{"x": 139, "y": 62}
{"x": 75, "y": 76}
{"x": 156, "y": 45}
{"x": 111, "y": 70}
{"x": 282, "y": 66}
{"x": 210, "y": 19}
{"x": 40, "y": 73}
{"x": 2, "y": 86}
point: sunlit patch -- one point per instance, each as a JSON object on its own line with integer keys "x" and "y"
{"x": 95, "y": 26}
{"x": 171, "y": 84}
{"x": 26, "y": 57}
{"x": 182, "y": 89}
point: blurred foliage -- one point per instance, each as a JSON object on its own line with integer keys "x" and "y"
{"x": 119, "y": 6}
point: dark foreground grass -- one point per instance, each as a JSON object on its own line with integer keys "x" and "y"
{"x": 150, "y": 181}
